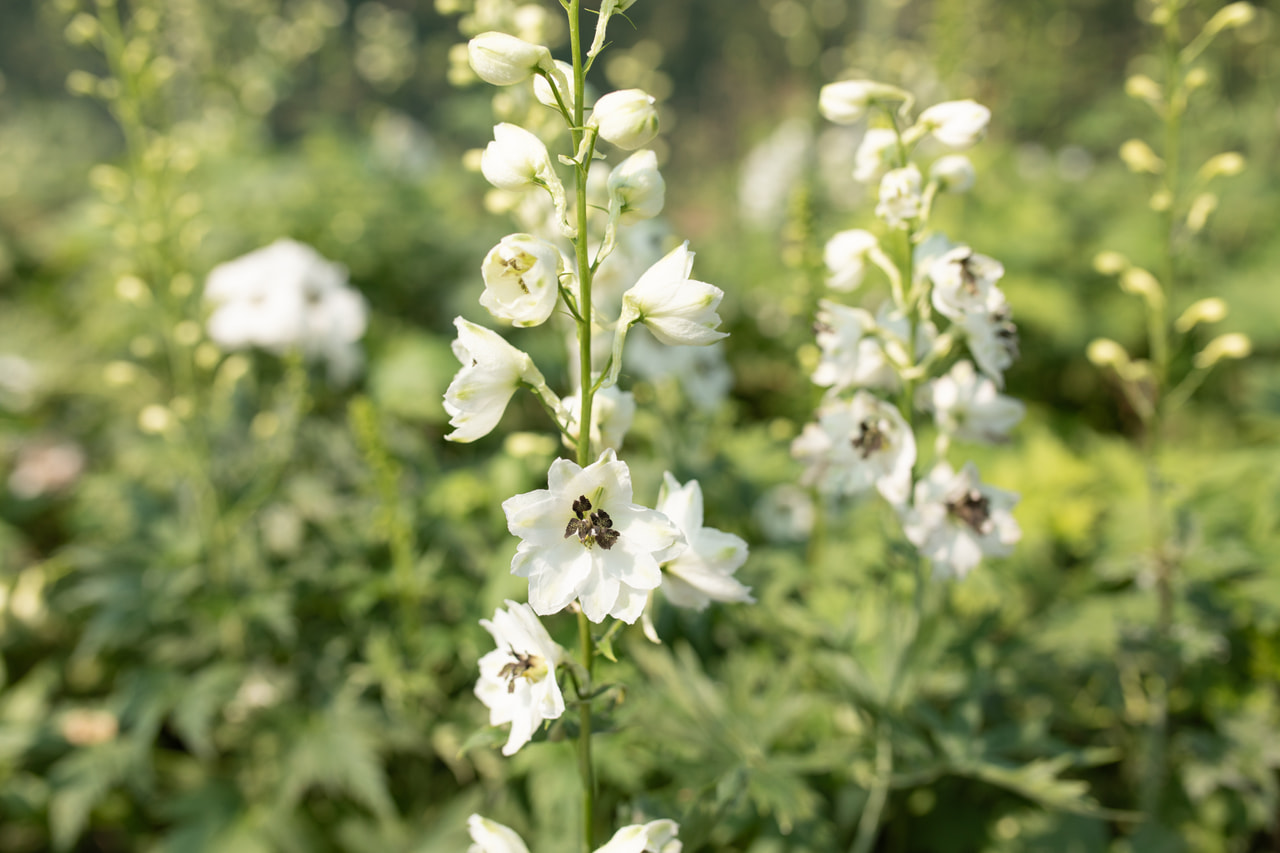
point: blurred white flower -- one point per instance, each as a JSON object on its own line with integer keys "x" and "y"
{"x": 953, "y": 173}
{"x": 627, "y": 118}
{"x": 703, "y": 572}
{"x": 658, "y": 836}
{"x": 18, "y": 383}
{"x": 853, "y": 354}
{"x": 492, "y": 837}
{"x": 772, "y": 170}
{"x": 846, "y": 258}
{"x": 874, "y": 153}
{"x": 900, "y": 197}
{"x": 583, "y": 538}
{"x": 612, "y": 411}
{"x": 993, "y": 342}
{"x": 785, "y": 513}
{"x": 968, "y": 407}
{"x": 518, "y": 678}
{"x": 956, "y": 519}
{"x": 847, "y": 101}
{"x": 636, "y": 188}
{"x": 964, "y": 284}
{"x": 522, "y": 279}
{"x": 677, "y": 309}
{"x": 45, "y": 467}
{"x": 492, "y": 370}
{"x": 283, "y": 296}
{"x": 856, "y": 444}
{"x": 956, "y": 124}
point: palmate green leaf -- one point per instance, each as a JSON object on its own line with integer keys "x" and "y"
{"x": 338, "y": 749}
{"x": 80, "y": 782}
{"x": 200, "y": 704}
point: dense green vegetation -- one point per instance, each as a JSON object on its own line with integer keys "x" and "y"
{"x": 240, "y": 602}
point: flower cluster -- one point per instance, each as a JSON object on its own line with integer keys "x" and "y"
{"x": 589, "y": 263}
{"x": 940, "y": 344}
{"x": 284, "y": 297}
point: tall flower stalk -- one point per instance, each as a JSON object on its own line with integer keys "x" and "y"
{"x": 1150, "y": 385}
{"x": 938, "y": 344}
{"x": 584, "y": 544}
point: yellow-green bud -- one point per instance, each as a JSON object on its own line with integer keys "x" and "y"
{"x": 1231, "y": 345}
{"x": 1209, "y": 310}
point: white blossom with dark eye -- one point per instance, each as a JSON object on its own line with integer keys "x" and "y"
{"x": 582, "y": 538}
{"x": 956, "y": 519}
{"x": 518, "y": 679}
{"x": 857, "y": 444}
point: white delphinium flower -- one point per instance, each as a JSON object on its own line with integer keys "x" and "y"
{"x": 993, "y": 341}
{"x": 680, "y": 311}
{"x": 522, "y": 279}
{"x": 503, "y": 59}
{"x": 287, "y": 295}
{"x": 856, "y": 444}
{"x": 956, "y": 124}
{"x": 582, "y": 538}
{"x": 848, "y": 100}
{"x": 853, "y": 356}
{"x": 953, "y": 173}
{"x": 636, "y": 188}
{"x": 547, "y": 96}
{"x": 492, "y": 370}
{"x": 492, "y": 837}
{"x": 627, "y": 118}
{"x": 612, "y": 411}
{"x": 657, "y": 836}
{"x": 900, "y": 196}
{"x": 703, "y": 572}
{"x": 964, "y": 284}
{"x": 846, "y": 258}
{"x": 518, "y": 678}
{"x": 956, "y": 519}
{"x": 874, "y": 153}
{"x": 968, "y": 407}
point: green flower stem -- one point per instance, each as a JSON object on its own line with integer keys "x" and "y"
{"x": 586, "y": 770}
{"x": 869, "y": 822}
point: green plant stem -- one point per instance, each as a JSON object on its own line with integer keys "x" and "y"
{"x": 586, "y": 770}
{"x": 869, "y": 822}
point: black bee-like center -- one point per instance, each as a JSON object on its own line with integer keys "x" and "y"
{"x": 870, "y": 438}
{"x": 974, "y": 509}
{"x": 596, "y": 529}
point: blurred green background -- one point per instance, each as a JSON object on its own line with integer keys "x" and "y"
{"x": 257, "y": 630}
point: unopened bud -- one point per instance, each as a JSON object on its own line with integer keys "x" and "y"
{"x": 627, "y": 118}
{"x": 1110, "y": 263}
{"x": 1195, "y": 78}
{"x": 1139, "y": 282}
{"x": 503, "y": 59}
{"x": 1204, "y": 205}
{"x": 82, "y": 29}
{"x": 1104, "y": 352}
{"x": 1229, "y": 17}
{"x": 1227, "y": 163}
{"x": 1209, "y": 310}
{"x": 848, "y": 100}
{"x": 1139, "y": 157}
{"x": 954, "y": 173}
{"x": 1161, "y": 200}
{"x": 1143, "y": 87}
{"x": 1232, "y": 345}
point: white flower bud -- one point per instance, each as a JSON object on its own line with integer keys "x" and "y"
{"x": 1104, "y": 352}
{"x": 516, "y": 160}
{"x": 627, "y": 118}
{"x": 503, "y": 59}
{"x": 1201, "y": 208}
{"x": 562, "y": 74}
{"x": 1229, "y": 17}
{"x": 1139, "y": 157}
{"x": 522, "y": 279}
{"x": 846, "y": 258}
{"x": 1233, "y": 345}
{"x": 1228, "y": 163}
{"x": 873, "y": 154}
{"x": 1211, "y": 310}
{"x": 637, "y": 186}
{"x": 956, "y": 124}
{"x": 954, "y": 173}
{"x": 1143, "y": 88}
{"x": 847, "y": 101}
{"x": 1139, "y": 282}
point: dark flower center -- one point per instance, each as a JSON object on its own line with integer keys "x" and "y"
{"x": 520, "y": 666}
{"x": 973, "y": 509}
{"x": 594, "y": 529}
{"x": 870, "y": 438}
